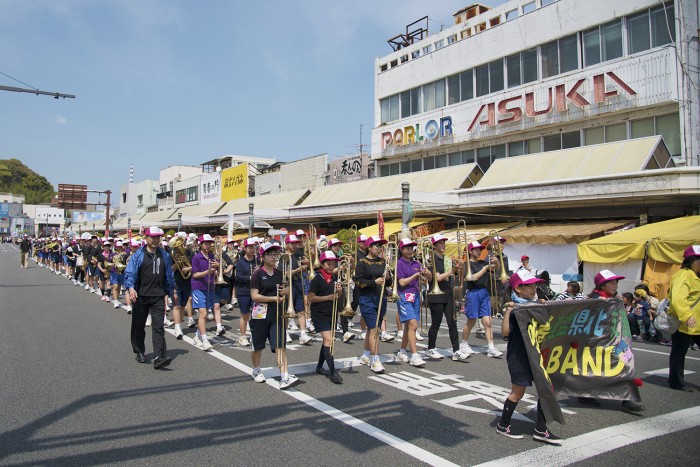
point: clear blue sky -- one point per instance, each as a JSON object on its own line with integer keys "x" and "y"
{"x": 168, "y": 82}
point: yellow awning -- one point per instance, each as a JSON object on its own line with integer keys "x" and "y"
{"x": 662, "y": 241}
{"x": 393, "y": 226}
{"x": 587, "y": 161}
{"x": 281, "y": 200}
{"x": 561, "y": 233}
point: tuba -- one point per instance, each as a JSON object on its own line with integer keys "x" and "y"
{"x": 179, "y": 255}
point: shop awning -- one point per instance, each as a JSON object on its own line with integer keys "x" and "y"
{"x": 393, "y": 226}
{"x": 281, "y": 200}
{"x": 597, "y": 160}
{"x": 154, "y": 218}
{"x": 475, "y": 232}
{"x": 200, "y": 210}
{"x": 662, "y": 241}
{"x": 562, "y": 233}
{"x": 383, "y": 188}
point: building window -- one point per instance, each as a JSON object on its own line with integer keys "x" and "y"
{"x": 466, "y": 85}
{"x": 568, "y": 53}
{"x": 455, "y": 158}
{"x": 440, "y": 44}
{"x": 482, "y": 80}
{"x": 416, "y": 165}
{"x": 498, "y": 152}
{"x": 513, "y": 70}
{"x": 617, "y": 132}
{"x": 452, "y": 39}
{"x": 483, "y": 158}
{"x": 550, "y": 59}
{"x": 552, "y": 142}
{"x": 428, "y": 97}
{"x": 496, "y": 75}
{"x": 663, "y": 26}
{"x": 591, "y": 46}
{"x": 571, "y": 140}
{"x": 439, "y": 93}
{"x": 428, "y": 163}
{"x": 415, "y": 101}
{"x": 642, "y": 128}
{"x": 529, "y": 65}
{"x": 668, "y": 126}
{"x": 452, "y": 89}
{"x": 139, "y": 199}
{"x": 611, "y": 34}
{"x": 192, "y": 194}
{"x": 390, "y": 108}
{"x": 533, "y": 146}
{"x": 516, "y": 148}
{"x": 415, "y": 54}
{"x": 123, "y": 197}
{"x": 427, "y": 49}
{"x": 638, "y": 32}
{"x": 405, "y": 167}
{"x": 405, "y": 104}
{"x": 548, "y": 2}
{"x": 512, "y": 14}
{"x": 527, "y": 8}
{"x": 441, "y": 161}
{"x": 594, "y": 135}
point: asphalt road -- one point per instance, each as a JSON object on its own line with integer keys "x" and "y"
{"x": 72, "y": 394}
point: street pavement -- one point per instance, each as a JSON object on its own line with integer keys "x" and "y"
{"x": 73, "y": 394}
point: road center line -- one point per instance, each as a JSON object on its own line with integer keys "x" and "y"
{"x": 381, "y": 435}
{"x": 598, "y": 442}
{"x": 662, "y": 353}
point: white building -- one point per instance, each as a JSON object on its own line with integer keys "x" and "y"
{"x": 286, "y": 176}
{"x": 45, "y": 219}
{"x": 167, "y": 179}
{"x": 187, "y": 192}
{"x": 11, "y": 198}
{"x": 136, "y": 198}
{"x": 535, "y": 76}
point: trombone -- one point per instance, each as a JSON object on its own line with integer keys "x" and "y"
{"x": 392, "y": 260}
{"x": 334, "y": 314}
{"x": 465, "y": 273}
{"x": 425, "y": 249}
{"x": 286, "y": 263}
{"x": 389, "y": 251}
{"x": 345, "y": 279}
{"x": 218, "y": 257}
{"x": 497, "y": 249}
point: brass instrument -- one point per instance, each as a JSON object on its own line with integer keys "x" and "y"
{"x": 334, "y": 317}
{"x": 345, "y": 278}
{"x": 496, "y": 249}
{"x": 218, "y": 257}
{"x": 425, "y": 250}
{"x": 386, "y": 254}
{"x": 286, "y": 266}
{"x": 465, "y": 273}
{"x": 311, "y": 252}
{"x": 392, "y": 261}
{"x": 179, "y": 255}
{"x": 353, "y": 246}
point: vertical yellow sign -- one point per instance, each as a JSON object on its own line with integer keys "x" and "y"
{"x": 234, "y": 182}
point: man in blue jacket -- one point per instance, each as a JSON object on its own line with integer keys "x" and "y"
{"x": 148, "y": 279}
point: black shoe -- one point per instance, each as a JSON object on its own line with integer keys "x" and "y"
{"x": 322, "y": 371}
{"x": 505, "y": 431}
{"x": 160, "y": 362}
{"x": 336, "y": 378}
{"x": 630, "y": 406}
{"x": 589, "y": 401}
{"x": 546, "y": 437}
{"x": 681, "y": 388}
{"x": 141, "y": 358}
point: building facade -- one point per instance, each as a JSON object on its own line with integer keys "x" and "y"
{"x": 137, "y": 198}
{"x": 536, "y": 76}
{"x": 309, "y": 173}
{"x": 167, "y": 179}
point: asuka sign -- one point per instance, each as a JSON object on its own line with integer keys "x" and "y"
{"x": 412, "y": 133}
{"x": 558, "y": 99}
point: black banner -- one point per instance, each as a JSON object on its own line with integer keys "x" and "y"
{"x": 578, "y": 348}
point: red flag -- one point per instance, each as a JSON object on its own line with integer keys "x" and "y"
{"x": 380, "y": 222}
{"x": 129, "y": 234}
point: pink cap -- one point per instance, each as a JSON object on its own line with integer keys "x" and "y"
{"x": 153, "y": 232}
{"x": 500, "y": 239}
{"x": 268, "y": 246}
{"x": 523, "y": 276}
{"x": 374, "y": 239}
{"x": 300, "y": 233}
{"x": 106, "y": 243}
{"x": 119, "y": 244}
{"x": 72, "y": 242}
{"x": 362, "y": 238}
{"x": 291, "y": 238}
{"x": 406, "y": 242}
{"x": 524, "y": 257}
{"x": 135, "y": 243}
{"x": 249, "y": 241}
{"x": 693, "y": 250}
{"x": 327, "y": 256}
{"x": 606, "y": 276}
{"x": 205, "y": 238}
{"x": 437, "y": 238}
{"x": 473, "y": 245}
{"x": 232, "y": 241}
{"x": 334, "y": 242}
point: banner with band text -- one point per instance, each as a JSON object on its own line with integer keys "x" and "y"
{"x": 578, "y": 348}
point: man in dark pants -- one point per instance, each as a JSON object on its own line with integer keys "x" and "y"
{"x": 148, "y": 279}
{"x": 25, "y": 249}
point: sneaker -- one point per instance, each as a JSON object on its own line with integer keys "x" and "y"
{"x": 292, "y": 326}
{"x": 206, "y": 346}
{"x": 377, "y": 367}
{"x": 351, "y": 324}
{"x": 234, "y": 302}
{"x": 694, "y": 347}
{"x": 505, "y": 431}
{"x": 210, "y": 316}
{"x": 637, "y": 338}
{"x": 546, "y": 437}
{"x": 460, "y": 356}
{"x": 128, "y": 310}
{"x": 178, "y": 334}
{"x": 258, "y": 376}
{"x": 220, "y": 331}
{"x": 74, "y": 281}
{"x": 116, "y": 304}
{"x": 167, "y": 308}
{"x": 419, "y": 337}
{"x": 466, "y": 349}
{"x": 495, "y": 353}
{"x": 104, "y": 298}
{"x": 148, "y": 320}
{"x": 310, "y": 328}
{"x": 434, "y": 354}
{"x": 364, "y": 359}
{"x": 191, "y": 323}
{"x": 402, "y": 357}
{"x": 348, "y": 336}
{"x": 167, "y": 323}
{"x": 417, "y": 362}
{"x": 286, "y": 383}
{"x": 305, "y": 339}
{"x": 399, "y": 334}
{"x": 630, "y": 406}
{"x": 87, "y": 287}
{"x": 289, "y": 339}
{"x": 363, "y": 335}
{"x": 91, "y": 290}
{"x": 243, "y": 341}
{"x": 386, "y": 337}
{"x": 197, "y": 341}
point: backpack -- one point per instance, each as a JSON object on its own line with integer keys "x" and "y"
{"x": 667, "y": 324}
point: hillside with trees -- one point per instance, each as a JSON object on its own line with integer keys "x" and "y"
{"x": 17, "y": 178}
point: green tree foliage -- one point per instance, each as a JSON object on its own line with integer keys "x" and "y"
{"x": 17, "y": 178}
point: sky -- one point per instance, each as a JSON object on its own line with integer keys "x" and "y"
{"x": 181, "y": 82}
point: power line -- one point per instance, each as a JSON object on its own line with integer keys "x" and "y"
{"x": 15, "y": 79}
{"x": 33, "y": 90}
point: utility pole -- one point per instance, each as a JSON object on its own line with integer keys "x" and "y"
{"x": 55, "y": 95}
{"x": 251, "y": 219}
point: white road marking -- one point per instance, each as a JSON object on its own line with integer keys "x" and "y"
{"x": 598, "y": 442}
{"x": 663, "y": 353}
{"x": 664, "y": 372}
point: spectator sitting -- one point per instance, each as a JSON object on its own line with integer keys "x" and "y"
{"x": 572, "y": 292}
{"x": 642, "y": 314}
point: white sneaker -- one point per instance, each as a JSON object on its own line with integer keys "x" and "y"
{"x": 434, "y": 354}
{"x": 364, "y": 359}
{"x": 75, "y": 282}
{"x": 167, "y": 323}
{"x": 386, "y": 337}
{"x": 220, "y": 331}
{"x": 348, "y": 336}
{"x": 310, "y": 328}
{"x": 258, "y": 376}
{"x": 229, "y": 306}
{"x": 92, "y": 290}
{"x": 289, "y": 339}
{"x": 402, "y": 357}
{"x": 419, "y": 337}
{"x": 399, "y": 334}
{"x": 206, "y": 345}
{"x": 167, "y": 308}
{"x": 197, "y": 342}
{"x": 116, "y": 304}
{"x": 363, "y": 335}
{"x": 210, "y": 316}
{"x": 466, "y": 349}
{"x": 377, "y": 367}
{"x": 148, "y": 320}
{"x": 128, "y": 309}
{"x": 243, "y": 341}
{"x": 460, "y": 355}
{"x": 292, "y": 326}
{"x": 351, "y": 324}
{"x": 178, "y": 334}
{"x": 417, "y": 362}
{"x": 286, "y": 383}
{"x": 87, "y": 287}
{"x": 191, "y": 323}
{"x": 305, "y": 339}
{"x": 494, "y": 353}
{"x": 234, "y": 302}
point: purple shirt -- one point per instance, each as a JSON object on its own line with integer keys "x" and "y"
{"x": 406, "y": 269}
{"x": 201, "y": 263}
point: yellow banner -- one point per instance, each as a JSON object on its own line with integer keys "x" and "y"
{"x": 234, "y": 182}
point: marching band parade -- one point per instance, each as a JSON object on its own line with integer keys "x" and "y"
{"x": 306, "y": 283}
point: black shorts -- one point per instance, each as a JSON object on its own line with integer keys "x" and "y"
{"x": 262, "y": 330}
{"x": 322, "y": 326}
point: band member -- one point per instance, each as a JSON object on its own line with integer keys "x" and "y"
{"x": 298, "y": 268}
{"x": 245, "y": 267}
{"x": 524, "y": 290}
{"x": 409, "y": 274}
{"x": 70, "y": 260}
{"x": 324, "y": 292}
{"x": 91, "y": 251}
{"x": 79, "y": 275}
{"x": 148, "y": 279}
{"x": 228, "y": 297}
{"x": 101, "y": 270}
{"x": 204, "y": 272}
{"x": 477, "y": 301}
{"x": 442, "y": 304}
{"x": 361, "y": 253}
{"x": 266, "y": 324}
{"x": 116, "y": 277}
{"x": 370, "y": 278}
{"x": 183, "y": 291}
